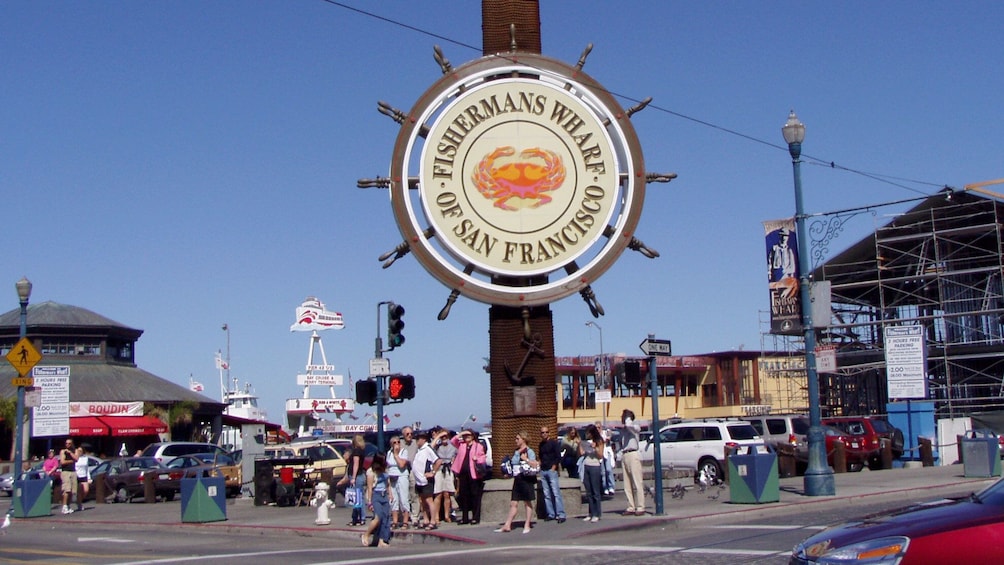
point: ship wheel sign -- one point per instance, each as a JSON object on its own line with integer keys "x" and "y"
{"x": 516, "y": 180}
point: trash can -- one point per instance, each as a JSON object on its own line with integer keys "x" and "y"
{"x": 203, "y": 499}
{"x": 32, "y": 498}
{"x": 981, "y": 454}
{"x": 753, "y": 476}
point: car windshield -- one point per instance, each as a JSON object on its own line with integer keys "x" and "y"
{"x": 742, "y": 431}
{"x": 881, "y": 426}
{"x": 993, "y": 494}
{"x": 142, "y": 463}
{"x": 214, "y": 458}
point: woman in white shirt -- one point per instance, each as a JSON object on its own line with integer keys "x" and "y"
{"x": 83, "y": 476}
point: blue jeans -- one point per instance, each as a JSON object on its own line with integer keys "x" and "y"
{"x": 381, "y": 510}
{"x": 593, "y": 479}
{"x": 608, "y": 475}
{"x": 359, "y": 513}
{"x": 552, "y": 494}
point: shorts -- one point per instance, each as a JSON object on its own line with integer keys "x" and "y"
{"x": 444, "y": 482}
{"x": 427, "y": 489}
{"x": 69, "y": 479}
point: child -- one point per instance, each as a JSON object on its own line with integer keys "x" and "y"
{"x": 378, "y": 498}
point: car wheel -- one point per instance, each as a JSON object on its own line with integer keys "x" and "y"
{"x": 711, "y": 469}
{"x": 169, "y": 496}
{"x": 855, "y": 467}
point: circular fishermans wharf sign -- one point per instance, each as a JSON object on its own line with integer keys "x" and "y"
{"x": 517, "y": 181}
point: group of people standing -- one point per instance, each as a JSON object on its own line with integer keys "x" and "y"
{"x": 435, "y": 466}
{"x": 439, "y": 464}
{"x": 592, "y": 455}
{"x": 72, "y": 468}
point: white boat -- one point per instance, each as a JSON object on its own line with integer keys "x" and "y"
{"x": 311, "y": 315}
{"x": 243, "y": 403}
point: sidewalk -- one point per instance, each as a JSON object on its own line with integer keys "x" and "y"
{"x": 713, "y": 505}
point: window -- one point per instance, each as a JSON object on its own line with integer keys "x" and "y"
{"x": 71, "y": 348}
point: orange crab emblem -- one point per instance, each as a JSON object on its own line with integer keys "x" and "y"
{"x": 530, "y": 179}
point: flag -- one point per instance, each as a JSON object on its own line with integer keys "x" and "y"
{"x": 220, "y": 363}
{"x": 195, "y": 386}
{"x": 353, "y": 416}
{"x": 386, "y": 419}
{"x": 397, "y": 414}
{"x": 472, "y": 418}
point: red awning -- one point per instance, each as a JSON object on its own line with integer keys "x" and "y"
{"x": 87, "y": 426}
{"x": 134, "y": 425}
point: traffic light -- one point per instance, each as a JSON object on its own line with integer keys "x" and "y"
{"x": 632, "y": 371}
{"x": 394, "y": 325}
{"x": 400, "y": 387}
{"x": 366, "y": 391}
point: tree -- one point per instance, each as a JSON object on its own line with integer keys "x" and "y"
{"x": 8, "y": 413}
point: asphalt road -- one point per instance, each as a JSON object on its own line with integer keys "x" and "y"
{"x": 734, "y": 541}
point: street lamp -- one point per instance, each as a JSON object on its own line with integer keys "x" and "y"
{"x": 818, "y": 480}
{"x": 601, "y": 371}
{"x": 23, "y": 287}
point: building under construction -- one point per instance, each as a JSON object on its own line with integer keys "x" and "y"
{"x": 937, "y": 265}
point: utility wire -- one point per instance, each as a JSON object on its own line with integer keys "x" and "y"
{"x": 878, "y": 177}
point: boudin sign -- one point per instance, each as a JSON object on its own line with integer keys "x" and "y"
{"x": 517, "y": 180}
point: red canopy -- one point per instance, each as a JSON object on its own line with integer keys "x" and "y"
{"x": 87, "y": 426}
{"x": 134, "y": 425}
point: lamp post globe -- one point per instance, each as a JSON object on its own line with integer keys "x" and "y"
{"x": 818, "y": 479}
{"x": 23, "y": 288}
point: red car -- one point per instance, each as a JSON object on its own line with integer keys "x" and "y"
{"x": 871, "y": 431}
{"x": 965, "y": 530}
{"x": 855, "y": 451}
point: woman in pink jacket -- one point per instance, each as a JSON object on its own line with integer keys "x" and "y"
{"x": 470, "y": 454}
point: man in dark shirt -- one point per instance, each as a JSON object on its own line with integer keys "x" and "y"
{"x": 68, "y": 473}
{"x": 549, "y": 453}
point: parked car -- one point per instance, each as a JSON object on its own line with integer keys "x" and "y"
{"x": 700, "y": 445}
{"x": 344, "y": 447}
{"x": 870, "y": 430}
{"x": 963, "y": 530}
{"x": 320, "y": 456}
{"x": 7, "y": 484}
{"x": 856, "y": 456}
{"x": 211, "y": 465}
{"x": 124, "y": 478}
{"x": 164, "y": 451}
{"x": 36, "y": 472}
{"x": 780, "y": 428}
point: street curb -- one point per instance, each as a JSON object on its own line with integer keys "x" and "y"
{"x": 748, "y": 511}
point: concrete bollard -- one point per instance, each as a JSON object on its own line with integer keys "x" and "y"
{"x": 729, "y": 451}
{"x": 100, "y": 490}
{"x": 839, "y": 457}
{"x": 886, "y": 453}
{"x": 786, "y": 463}
{"x": 149, "y": 492}
{"x": 926, "y": 451}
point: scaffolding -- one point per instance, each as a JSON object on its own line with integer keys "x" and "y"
{"x": 782, "y": 370}
{"x": 938, "y": 265}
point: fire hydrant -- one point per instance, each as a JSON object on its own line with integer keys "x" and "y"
{"x": 322, "y": 503}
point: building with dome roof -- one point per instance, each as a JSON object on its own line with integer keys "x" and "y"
{"x": 112, "y": 400}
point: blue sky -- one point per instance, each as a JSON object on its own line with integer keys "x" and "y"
{"x": 176, "y": 166}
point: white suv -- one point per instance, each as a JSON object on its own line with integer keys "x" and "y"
{"x": 700, "y": 445}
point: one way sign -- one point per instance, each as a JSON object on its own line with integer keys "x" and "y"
{"x": 660, "y": 347}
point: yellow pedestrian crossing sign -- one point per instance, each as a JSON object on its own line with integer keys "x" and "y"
{"x": 23, "y": 356}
